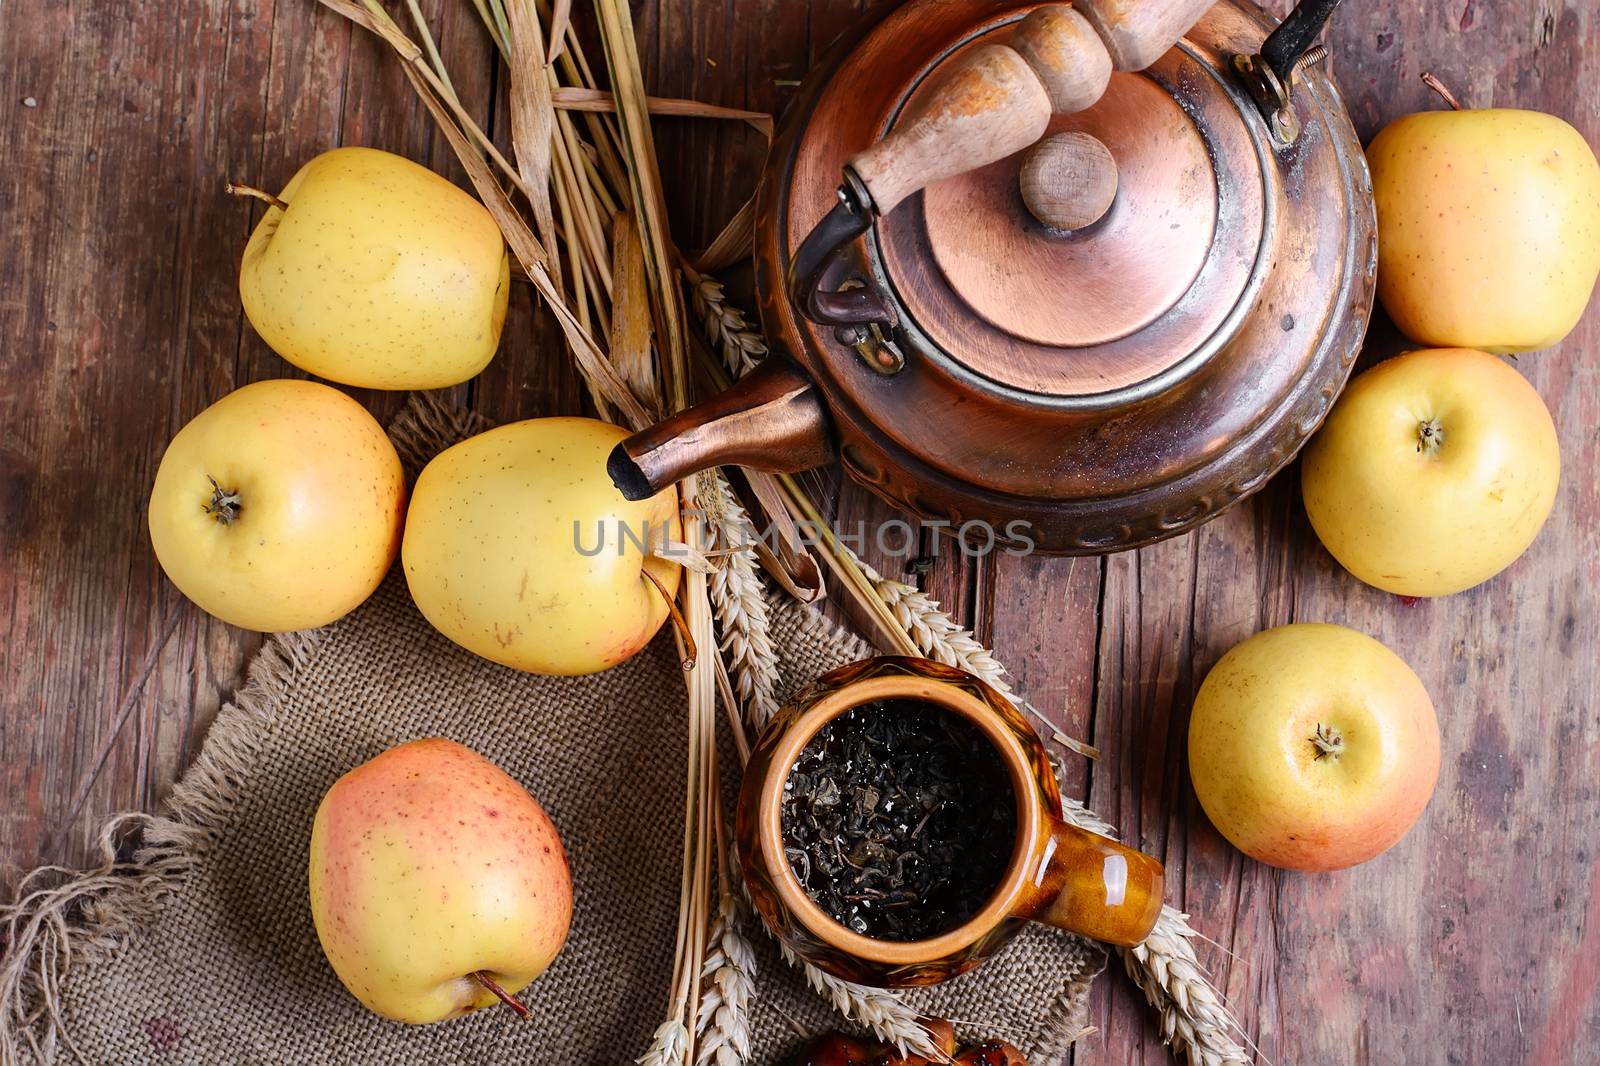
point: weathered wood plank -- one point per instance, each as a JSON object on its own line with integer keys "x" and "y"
{"x": 1444, "y": 949}
{"x": 125, "y": 324}
{"x": 113, "y": 118}
{"x": 120, "y": 321}
{"x": 1041, "y": 616}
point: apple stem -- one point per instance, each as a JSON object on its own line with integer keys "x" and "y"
{"x": 501, "y": 994}
{"x": 1430, "y": 435}
{"x": 225, "y": 503}
{"x": 690, "y": 652}
{"x": 235, "y": 189}
{"x": 1432, "y": 81}
{"x": 1328, "y": 740}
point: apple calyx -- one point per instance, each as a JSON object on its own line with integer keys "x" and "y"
{"x": 690, "y": 652}
{"x": 225, "y": 504}
{"x": 499, "y": 993}
{"x": 1430, "y": 435}
{"x": 236, "y": 189}
{"x": 1329, "y": 741}
{"x": 1432, "y": 81}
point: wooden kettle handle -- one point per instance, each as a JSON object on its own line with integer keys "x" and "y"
{"x": 998, "y": 98}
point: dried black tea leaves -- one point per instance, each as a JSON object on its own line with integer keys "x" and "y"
{"x": 899, "y": 820}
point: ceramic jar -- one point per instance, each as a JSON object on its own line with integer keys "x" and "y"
{"x": 1057, "y": 873}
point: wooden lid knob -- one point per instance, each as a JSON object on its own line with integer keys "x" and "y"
{"x": 1069, "y": 180}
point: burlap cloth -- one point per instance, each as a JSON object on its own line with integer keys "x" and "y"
{"x": 199, "y": 947}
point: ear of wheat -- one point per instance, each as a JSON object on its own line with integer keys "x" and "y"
{"x": 741, "y": 605}
{"x": 724, "y": 325}
{"x": 722, "y": 1021}
{"x": 668, "y": 1047}
{"x": 943, "y": 639}
{"x": 1195, "y": 1020}
{"x": 884, "y": 1013}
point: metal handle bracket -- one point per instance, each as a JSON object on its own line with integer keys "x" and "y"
{"x": 1269, "y": 76}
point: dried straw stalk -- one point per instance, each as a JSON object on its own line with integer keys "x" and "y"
{"x": 644, "y": 178}
{"x": 704, "y": 848}
{"x": 467, "y": 140}
{"x": 568, "y": 98}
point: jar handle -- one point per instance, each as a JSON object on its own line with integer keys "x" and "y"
{"x": 1095, "y": 887}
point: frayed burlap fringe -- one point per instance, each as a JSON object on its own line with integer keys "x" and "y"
{"x": 1064, "y": 1027}
{"x": 86, "y": 914}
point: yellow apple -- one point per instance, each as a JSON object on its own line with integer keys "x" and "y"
{"x": 1488, "y": 227}
{"x": 518, "y": 547}
{"x": 1433, "y": 473}
{"x": 428, "y": 865}
{"x": 1313, "y": 747}
{"x": 379, "y": 273}
{"x": 279, "y": 506}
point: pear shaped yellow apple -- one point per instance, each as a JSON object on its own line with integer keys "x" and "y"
{"x": 279, "y": 506}
{"x": 378, "y": 273}
{"x": 518, "y": 547}
{"x": 1434, "y": 472}
{"x": 433, "y": 874}
{"x": 1313, "y": 747}
{"x": 1488, "y": 227}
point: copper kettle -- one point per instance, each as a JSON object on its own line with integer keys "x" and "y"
{"x": 1099, "y": 270}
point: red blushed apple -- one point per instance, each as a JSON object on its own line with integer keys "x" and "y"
{"x": 1313, "y": 747}
{"x": 437, "y": 883}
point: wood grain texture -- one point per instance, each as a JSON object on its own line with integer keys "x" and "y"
{"x": 1477, "y": 940}
{"x": 984, "y": 107}
{"x": 1443, "y": 950}
{"x": 1066, "y": 54}
{"x": 1137, "y": 32}
{"x": 1068, "y": 180}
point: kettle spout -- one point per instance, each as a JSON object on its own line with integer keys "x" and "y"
{"x": 771, "y": 419}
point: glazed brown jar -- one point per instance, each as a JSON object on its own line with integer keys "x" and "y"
{"x": 1055, "y": 873}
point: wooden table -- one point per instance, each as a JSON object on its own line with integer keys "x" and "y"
{"x": 1477, "y": 939}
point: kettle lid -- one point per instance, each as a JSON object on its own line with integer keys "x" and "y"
{"x": 1126, "y": 299}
